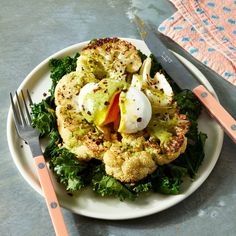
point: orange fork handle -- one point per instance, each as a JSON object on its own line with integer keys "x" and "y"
{"x": 50, "y": 196}
{"x": 227, "y": 122}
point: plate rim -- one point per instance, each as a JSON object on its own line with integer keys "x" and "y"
{"x": 72, "y": 48}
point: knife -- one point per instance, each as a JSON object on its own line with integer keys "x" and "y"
{"x": 184, "y": 79}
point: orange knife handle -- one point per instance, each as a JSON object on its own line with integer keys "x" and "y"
{"x": 227, "y": 122}
{"x": 50, "y": 196}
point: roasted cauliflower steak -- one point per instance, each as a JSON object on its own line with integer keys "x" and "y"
{"x": 127, "y": 157}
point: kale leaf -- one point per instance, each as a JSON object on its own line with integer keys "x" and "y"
{"x": 142, "y": 55}
{"x": 194, "y": 154}
{"x": 105, "y": 185}
{"x": 142, "y": 186}
{"x": 188, "y": 104}
{"x": 68, "y": 169}
{"x": 167, "y": 179}
{"x": 75, "y": 174}
{"x": 52, "y": 147}
{"x": 43, "y": 116}
{"x": 60, "y": 67}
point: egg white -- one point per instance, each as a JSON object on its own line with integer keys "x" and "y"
{"x": 135, "y": 111}
{"x": 83, "y": 100}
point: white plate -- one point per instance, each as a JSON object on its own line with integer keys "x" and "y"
{"x": 86, "y": 202}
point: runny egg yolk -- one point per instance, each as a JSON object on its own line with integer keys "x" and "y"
{"x": 113, "y": 114}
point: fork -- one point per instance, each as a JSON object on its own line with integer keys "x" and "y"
{"x": 22, "y": 119}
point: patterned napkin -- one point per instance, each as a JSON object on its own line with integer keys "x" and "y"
{"x": 207, "y": 30}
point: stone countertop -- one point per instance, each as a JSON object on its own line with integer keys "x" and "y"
{"x": 32, "y": 30}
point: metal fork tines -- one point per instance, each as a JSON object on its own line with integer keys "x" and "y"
{"x": 22, "y": 120}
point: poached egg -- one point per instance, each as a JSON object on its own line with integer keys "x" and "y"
{"x": 110, "y": 102}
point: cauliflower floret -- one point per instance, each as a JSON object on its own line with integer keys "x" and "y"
{"x": 171, "y": 150}
{"x": 109, "y": 58}
{"x": 68, "y": 88}
{"x": 128, "y": 166}
{"x": 131, "y": 159}
{"x": 157, "y": 89}
{"x": 78, "y": 136}
{"x": 169, "y": 130}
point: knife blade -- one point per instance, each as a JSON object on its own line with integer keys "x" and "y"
{"x": 184, "y": 79}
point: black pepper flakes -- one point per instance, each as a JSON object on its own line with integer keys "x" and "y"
{"x": 89, "y": 113}
{"x": 98, "y": 141}
{"x": 106, "y": 103}
{"x": 139, "y": 119}
{"x": 69, "y": 106}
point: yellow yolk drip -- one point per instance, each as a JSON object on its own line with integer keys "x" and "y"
{"x": 113, "y": 115}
